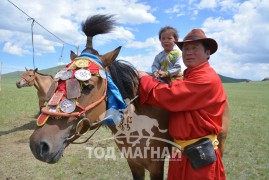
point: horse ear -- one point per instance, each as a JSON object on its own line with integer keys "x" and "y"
{"x": 73, "y": 55}
{"x": 109, "y": 57}
{"x": 36, "y": 69}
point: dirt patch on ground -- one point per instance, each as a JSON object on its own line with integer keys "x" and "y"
{"x": 15, "y": 151}
{"x": 17, "y": 161}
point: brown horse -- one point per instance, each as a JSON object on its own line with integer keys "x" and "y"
{"x": 61, "y": 128}
{"x": 40, "y": 81}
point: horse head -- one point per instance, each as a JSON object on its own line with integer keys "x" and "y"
{"x": 76, "y": 105}
{"x": 77, "y": 99}
{"x": 27, "y": 79}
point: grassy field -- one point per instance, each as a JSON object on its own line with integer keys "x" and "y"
{"x": 246, "y": 155}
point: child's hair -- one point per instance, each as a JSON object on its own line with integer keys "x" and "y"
{"x": 175, "y": 33}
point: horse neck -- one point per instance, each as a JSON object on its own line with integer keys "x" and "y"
{"x": 41, "y": 83}
{"x": 112, "y": 129}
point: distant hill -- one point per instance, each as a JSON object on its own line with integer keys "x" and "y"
{"x": 266, "y": 79}
{"x": 225, "y": 79}
{"x": 17, "y": 74}
{"x": 54, "y": 70}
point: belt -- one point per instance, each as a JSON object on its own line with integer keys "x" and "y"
{"x": 184, "y": 143}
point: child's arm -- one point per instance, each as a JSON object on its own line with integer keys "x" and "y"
{"x": 155, "y": 67}
{"x": 176, "y": 69}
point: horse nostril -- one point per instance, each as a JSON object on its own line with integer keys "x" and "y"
{"x": 18, "y": 84}
{"x": 44, "y": 149}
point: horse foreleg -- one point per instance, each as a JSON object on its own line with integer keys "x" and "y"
{"x": 156, "y": 170}
{"x": 41, "y": 102}
{"x": 138, "y": 171}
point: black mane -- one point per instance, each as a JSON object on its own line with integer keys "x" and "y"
{"x": 41, "y": 73}
{"x": 125, "y": 77}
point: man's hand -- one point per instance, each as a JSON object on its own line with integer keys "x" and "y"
{"x": 162, "y": 74}
{"x": 142, "y": 74}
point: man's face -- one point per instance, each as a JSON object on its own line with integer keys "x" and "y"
{"x": 194, "y": 54}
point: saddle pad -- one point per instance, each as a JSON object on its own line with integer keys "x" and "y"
{"x": 72, "y": 88}
{"x": 51, "y": 90}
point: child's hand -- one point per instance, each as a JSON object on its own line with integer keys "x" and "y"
{"x": 162, "y": 74}
{"x": 156, "y": 74}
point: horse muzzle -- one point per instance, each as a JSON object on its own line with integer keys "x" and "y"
{"x": 20, "y": 84}
{"x": 44, "y": 151}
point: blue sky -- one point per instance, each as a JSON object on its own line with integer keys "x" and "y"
{"x": 241, "y": 29}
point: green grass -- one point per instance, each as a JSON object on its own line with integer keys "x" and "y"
{"x": 246, "y": 153}
{"x": 16, "y": 103}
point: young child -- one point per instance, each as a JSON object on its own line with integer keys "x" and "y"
{"x": 166, "y": 65}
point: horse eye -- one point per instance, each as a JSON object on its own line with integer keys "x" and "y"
{"x": 87, "y": 89}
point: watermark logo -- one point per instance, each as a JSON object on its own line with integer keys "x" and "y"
{"x": 132, "y": 123}
{"x": 131, "y": 129}
{"x": 153, "y": 153}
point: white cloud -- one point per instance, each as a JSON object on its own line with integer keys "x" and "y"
{"x": 152, "y": 43}
{"x": 207, "y": 4}
{"x": 120, "y": 34}
{"x": 229, "y": 5}
{"x": 140, "y": 61}
{"x": 195, "y": 12}
{"x": 241, "y": 34}
{"x": 241, "y": 29}
{"x": 64, "y": 18}
{"x": 12, "y": 49}
{"x": 178, "y": 9}
{"x": 174, "y": 9}
{"x": 61, "y": 63}
{"x": 127, "y": 11}
{"x": 154, "y": 9}
{"x": 6, "y": 68}
{"x": 5, "y": 35}
{"x": 240, "y": 45}
{"x": 21, "y": 44}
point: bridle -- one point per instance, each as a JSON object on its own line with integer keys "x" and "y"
{"x": 81, "y": 115}
{"x": 83, "y": 110}
{"x": 30, "y": 81}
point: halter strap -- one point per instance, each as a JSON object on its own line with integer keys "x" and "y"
{"x": 29, "y": 81}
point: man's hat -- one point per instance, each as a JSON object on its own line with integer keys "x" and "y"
{"x": 199, "y": 35}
